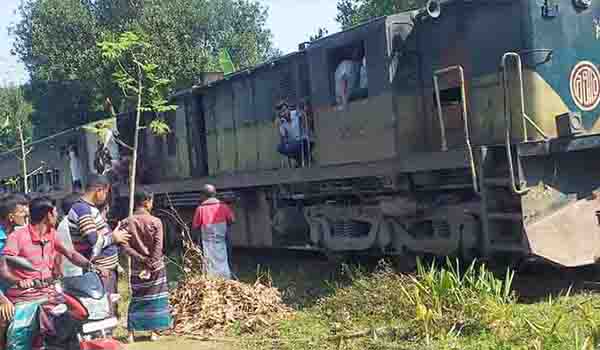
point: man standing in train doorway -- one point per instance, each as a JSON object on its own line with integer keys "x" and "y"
{"x": 213, "y": 220}
{"x": 294, "y": 139}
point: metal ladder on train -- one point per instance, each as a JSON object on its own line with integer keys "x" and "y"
{"x": 465, "y": 117}
{"x": 483, "y": 184}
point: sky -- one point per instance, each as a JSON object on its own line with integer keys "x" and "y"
{"x": 294, "y": 21}
{"x": 10, "y": 69}
{"x": 291, "y": 21}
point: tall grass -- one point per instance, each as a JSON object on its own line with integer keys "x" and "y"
{"x": 440, "y": 307}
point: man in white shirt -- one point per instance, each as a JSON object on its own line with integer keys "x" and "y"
{"x": 292, "y": 133}
{"x": 346, "y": 75}
{"x": 68, "y": 269}
{"x": 351, "y": 78}
{"x": 75, "y": 167}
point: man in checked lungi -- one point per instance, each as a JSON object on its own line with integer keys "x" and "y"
{"x": 149, "y": 308}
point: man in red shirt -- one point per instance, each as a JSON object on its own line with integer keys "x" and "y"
{"x": 213, "y": 218}
{"x": 37, "y": 244}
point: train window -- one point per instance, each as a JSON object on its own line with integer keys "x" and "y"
{"x": 38, "y": 181}
{"x": 48, "y": 179}
{"x": 449, "y": 97}
{"x": 56, "y": 178}
{"x": 349, "y": 73}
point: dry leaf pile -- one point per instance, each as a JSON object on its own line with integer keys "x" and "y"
{"x": 204, "y": 306}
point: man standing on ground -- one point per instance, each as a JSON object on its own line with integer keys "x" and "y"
{"x": 213, "y": 218}
{"x": 91, "y": 235}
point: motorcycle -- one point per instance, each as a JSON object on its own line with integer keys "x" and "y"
{"x": 84, "y": 319}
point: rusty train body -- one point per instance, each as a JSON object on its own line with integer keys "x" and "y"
{"x": 477, "y": 135}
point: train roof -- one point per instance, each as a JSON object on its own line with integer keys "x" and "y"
{"x": 405, "y": 17}
{"x": 319, "y": 43}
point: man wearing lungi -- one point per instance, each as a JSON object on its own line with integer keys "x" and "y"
{"x": 213, "y": 219}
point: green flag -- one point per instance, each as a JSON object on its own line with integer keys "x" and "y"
{"x": 226, "y": 62}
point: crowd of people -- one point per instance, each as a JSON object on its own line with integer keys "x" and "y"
{"x": 83, "y": 241}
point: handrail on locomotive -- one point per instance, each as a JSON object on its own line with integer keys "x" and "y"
{"x": 465, "y": 116}
{"x": 517, "y": 189}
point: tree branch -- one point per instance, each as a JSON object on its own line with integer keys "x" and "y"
{"x": 122, "y": 143}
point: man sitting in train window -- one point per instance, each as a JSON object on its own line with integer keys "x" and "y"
{"x": 351, "y": 77}
{"x": 294, "y": 140}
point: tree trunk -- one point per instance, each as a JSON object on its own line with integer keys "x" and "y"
{"x": 23, "y": 157}
{"x": 136, "y": 137}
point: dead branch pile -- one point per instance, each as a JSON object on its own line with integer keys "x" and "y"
{"x": 204, "y": 306}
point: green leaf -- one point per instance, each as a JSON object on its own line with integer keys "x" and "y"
{"x": 226, "y": 62}
{"x": 159, "y": 127}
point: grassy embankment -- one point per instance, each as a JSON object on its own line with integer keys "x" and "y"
{"x": 438, "y": 308}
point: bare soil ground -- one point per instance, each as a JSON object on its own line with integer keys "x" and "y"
{"x": 172, "y": 343}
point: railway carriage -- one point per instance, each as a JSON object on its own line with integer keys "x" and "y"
{"x": 49, "y": 163}
{"x": 477, "y": 136}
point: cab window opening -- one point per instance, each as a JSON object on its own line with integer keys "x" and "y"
{"x": 349, "y": 73}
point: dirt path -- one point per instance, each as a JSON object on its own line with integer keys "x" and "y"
{"x": 171, "y": 343}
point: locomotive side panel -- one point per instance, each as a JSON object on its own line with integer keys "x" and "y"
{"x": 474, "y": 36}
{"x": 226, "y": 129}
{"x": 270, "y": 86}
{"x": 571, "y": 78}
{"x": 245, "y": 125}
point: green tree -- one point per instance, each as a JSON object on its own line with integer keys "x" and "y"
{"x": 354, "y": 12}
{"x": 139, "y": 79}
{"x": 56, "y": 40}
{"x": 15, "y": 127}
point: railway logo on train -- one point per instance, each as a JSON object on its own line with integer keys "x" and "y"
{"x": 585, "y": 86}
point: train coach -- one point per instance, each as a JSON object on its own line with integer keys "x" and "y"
{"x": 58, "y": 164}
{"x": 474, "y": 135}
